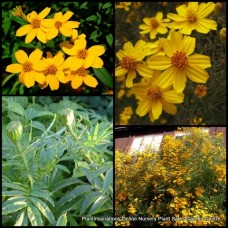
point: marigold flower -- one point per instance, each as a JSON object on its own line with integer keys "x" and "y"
{"x": 60, "y": 24}
{"x": 52, "y": 68}
{"x": 178, "y": 63}
{"x": 28, "y": 74}
{"x": 192, "y": 17}
{"x": 35, "y": 28}
{"x": 77, "y": 77}
{"x": 80, "y": 56}
{"x": 200, "y": 91}
{"x": 131, "y": 61}
{"x": 154, "y": 25}
{"x": 155, "y": 97}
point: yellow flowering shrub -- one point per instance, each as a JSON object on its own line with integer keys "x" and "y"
{"x": 184, "y": 183}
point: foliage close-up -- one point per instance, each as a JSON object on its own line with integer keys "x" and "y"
{"x": 181, "y": 184}
{"x": 57, "y": 161}
{"x": 171, "y": 69}
{"x": 57, "y": 48}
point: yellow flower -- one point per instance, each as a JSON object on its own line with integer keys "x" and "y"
{"x": 179, "y": 63}
{"x": 35, "y": 28}
{"x": 154, "y": 25}
{"x": 80, "y": 56}
{"x": 123, "y": 5}
{"x": 28, "y": 75}
{"x": 199, "y": 191}
{"x": 200, "y": 91}
{"x": 131, "y": 209}
{"x": 192, "y": 17}
{"x": 77, "y": 77}
{"x": 131, "y": 61}
{"x": 155, "y": 97}
{"x": 52, "y": 68}
{"x": 60, "y": 24}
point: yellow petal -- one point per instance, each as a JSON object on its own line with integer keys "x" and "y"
{"x": 72, "y": 24}
{"x": 196, "y": 74}
{"x": 53, "y": 82}
{"x": 120, "y": 71}
{"x": 97, "y": 50}
{"x": 128, "y": 48}
{"x": 169, "y": 107}
{"x": 176, "y": 17}
{"x": 172, "y": 97}
{"x": 24, "y": 30}
{"x": 159, "y": 62}
{"x": 61, "y": 77}
{"x": 52, "y": 33}
{"x": 179, "y": 81}
{"x": 205, "y": 9}
{"x": 129, "y": 81}
{"x": 35, "y": 55}
{"x": 14, "y": 68}
{"x": 77, "y": 63}
{"x": 41, "y": 36}
{"x": 89, "y": 60}
{"x": 31, "y": 35}
{"x": 39, "y": 77}
{"x": 144, "y": 70}
{"x": 189, "y": 45}
{"x": 156, "y": 109}
{"x": 21, "y": 56}
{"x": 159, "y": 16}
{"x": 67, "y": 16}
{"x": 199, "y": 60}
{"x": 144, "y": 107}
{"x": 58, "y": 16}
{"x": 166, "y": 78}
{"x": 29, "y": 79}
{"x": 48, "y": 23}
{"x": 76, "y": 82}
{"x": 65, "y": 30}
{"x": 44, "y": 13}
{"x": 58, "y": 59}
{"x": 90, "y": 81}
{"x": 98, "y": 63}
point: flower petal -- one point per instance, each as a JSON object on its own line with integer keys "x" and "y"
{"x": 29, "y": 79}
{"x": 52, "y": 33}
{"x": 97, "y": 50}
{"x": 179, "y": 81}
{"x": 189, "y": 45}
{"x": 21, "y": 56}
{"x": 35, "y": 55}
{"x": 205, "y": 9}
{"x": 39, "y": 77}
{"x": 144, "y": 70}
{"x": 44, "y": 13}
{"x": 159, "y": 62}
{"x": 156, "y": 109}
{"x": 72, "y": 24}
{"x": 89, "y": 60}
{"x": 144, "y": 107}
{"x": 14, "y": 68}
{"x": 202, "y": 61}
{"x": 129, "y": 81}
{"x": 169, "y": 107}
{"x": 67, "y": 16}
{"x": 24, "y": 30}
{"x": 120, "y": 71}
{"x": 90, "y": 81}
{"x": 61, "y": 76}
{"x": 98, "y": 63}
{"x": 166, "y": 78}
{"x": 65, "y": 30}
{"x": 171, "y": 96}
{"x": 58, "y": 59}
{"x": 31, "y": 35}
{"x": 76, "y": 82}
{"x": 53, "y": 82}
{"x": 196, "y": 74}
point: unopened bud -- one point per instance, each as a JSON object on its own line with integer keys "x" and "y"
{"x": 67, "y": 116}
{"x": 14, "y": 131}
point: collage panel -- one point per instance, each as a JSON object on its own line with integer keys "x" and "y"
{"x": 170, "y": 176}
{"x": 57, "y": 161}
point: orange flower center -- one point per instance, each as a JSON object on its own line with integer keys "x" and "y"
{"x": 179, "y": 60}
{"x": 27, "y": 67}
{"x": 192, "y": 18}
{"x": 128, "y": 63}
{"x": 154, "y": 93}
{"x": 58, "y": 24}
{"x": 81, "y": 72}
{"x": 52, "y": 70}
{"x": 82, "y": 54}
{"x": 35, "y": 23}
{"x": 154, "y": 23}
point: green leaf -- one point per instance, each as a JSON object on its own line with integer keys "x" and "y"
{"x": 43, "y": 194}
{"x": 12, "y": 207}
{"x": 99, "y": 171}
{"x": 106, "y": 5}
{"x": 74, "y": 193}
{"x": 13, "y": 193}
{"x": 98, "y": 204}
{"x": 15, "y": 107}
{"x": 23, "y": 44}
{"x": 103, "y": 75}
{"x": 91, "y": 18}
{"x": 13, "y": 200}
{"x": 83, "y": 5}
{"x": 62, "y": 220}
{"x": 90, "y": 223}
{"x": 22, "y": 219}
{"x": 34, "y": 216}
{"x": 64, "y": 168}
{"x": 95, "y": 132}
{"x": 109, "y": 39}
{"x": 89, "y": 200}
{"x": 6, "y": 25}
{"x": 13, "y": 186}
{"x": 108, "y": 179}
{"x": 19, "y": 20}
{"x": 44, "y": 113}
{"x": 43, "y": 207}
{"x": 38, "y": 125}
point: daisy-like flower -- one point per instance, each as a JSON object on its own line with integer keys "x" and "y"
{"x": 193, "y": 17}
{"x": 123, "y": 5}
{"x": 35, "y": 28}
{"x": 25, "y": 67}
{"x": 52, "y": 68}
{"x": 80, "y": 76}
{"x": 154, "y": 25}
{"x": 80, "y": 55}
{"x": 155, "y": 97}
{"x": 179, "y": 63}
{"x": 131, "y": 61}
{"x": 60, "y": 24}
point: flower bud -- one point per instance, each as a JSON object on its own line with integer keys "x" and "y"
{"x": 14, "y": 131}
{"x": 222, "y": 34}
{"x": 67, "y": 116}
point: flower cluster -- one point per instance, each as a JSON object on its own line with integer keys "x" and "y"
{"x": 167, "y": 63}
{"x": 58, "y": 68}
{"x": 185, "y": 179}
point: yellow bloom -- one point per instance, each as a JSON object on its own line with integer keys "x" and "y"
{"x": 192, "y": 17}
{"x": 60, "y": 24}
{"x": 199, "y": 191}
{"x": 131, "y": 61}
{"x": 154, "y": 25}
{"x": 123, "y": 5}
{"x": 52, "y": 68}
{"x": 35, "y": 28}
{"x": 77, "y": 77}
{"x": 80, "y": 56}
{"x": 179, "y": 63}
{"x": 28, "y": 75}
{"x": 155, "y": 97}
{"x": 131, "y": 209}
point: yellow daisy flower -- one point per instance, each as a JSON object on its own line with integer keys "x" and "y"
{"x": 193, "y": 17}
{"x": 81, "y": 56}
{"x": 154, "y": 25}
{"x": 155, "y": 97}
{"x": 60, "y": 24}
{"x": 123, "y": 5}
{"x": 178, "y": 63}
{"x": 25, "y": 67}
{"x": 80, "y": 76}
{"x": 131, "y": 61}
{"x": 35, "y": 28}
{"x": 52, "y": 68}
